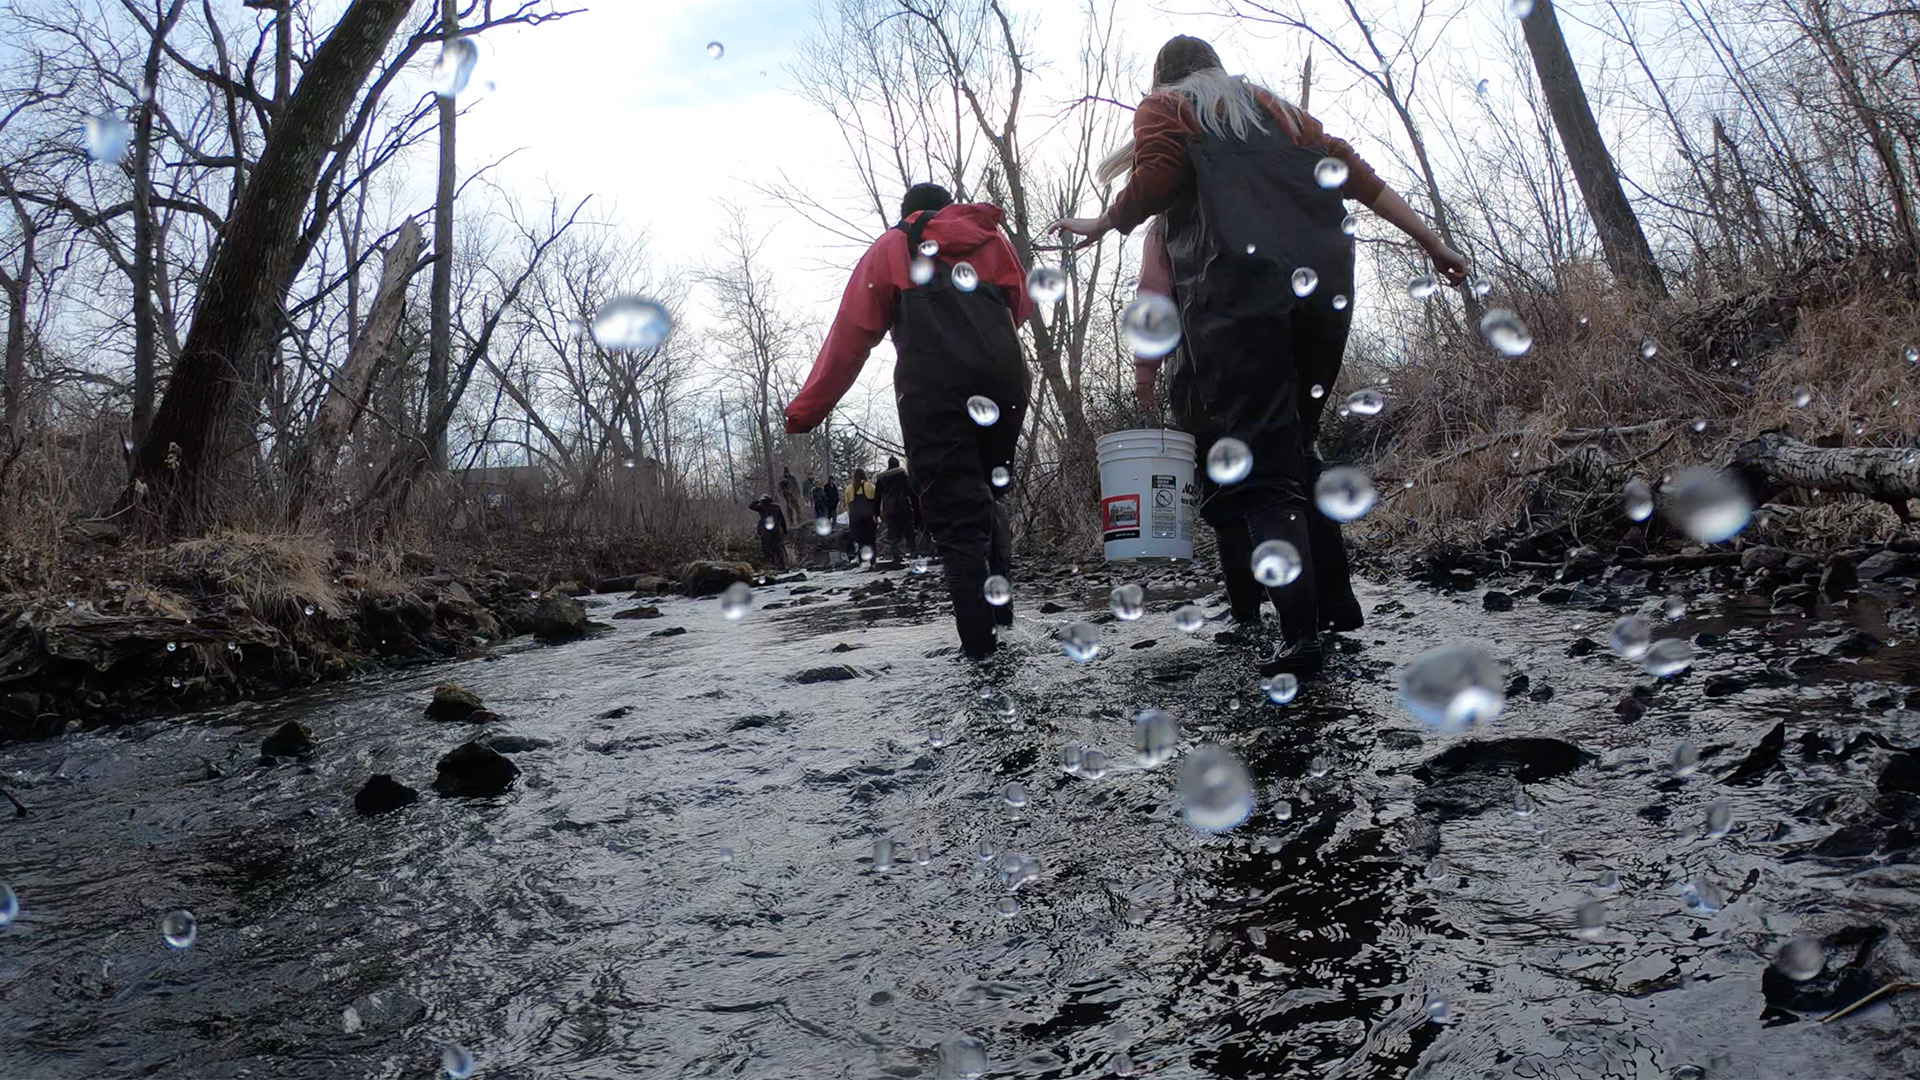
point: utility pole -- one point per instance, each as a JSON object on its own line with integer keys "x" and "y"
{"x": 440, "y": 345}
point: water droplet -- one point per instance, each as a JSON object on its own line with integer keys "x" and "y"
{"x": 1128, "y": 602}
{"x": 1708, "y": 505}
{"x": 1667, "y": 657}
{"x": 965, "y": 278}
{"x": 1702, "y": 897}
{"x": 1317, "y": 391}
{"x": 1343, "y": 493}
{"x": 1367, "y": 402}
{"x": 1276, "y": 563}
{"x": 1800, "y": 959}
{"x": 1583, "y": 320}
{"x": 631, "y": 324}
{"x": 1120, "y": 1064}
{"x": 1422, "y": 287}
{"x": 1519, "y": 9}
{"x": 173, "y": 646}
{"x": 1014, "y": 794}
{"x": 1350, "y": 224}
{"x": 457, "y": 1060}
{"x": 1282, "y": 688}
{"x": 1330, "y": 172}
{"x": 936, "y": 736}
{"x": 1699, "y": 426}
{"x": 1590, "y": 919}
{"x": 107, "y": 136}
{"x": 1686, "y": 760}
{"x": 174, "y": 681}
{"x": 1229, "y": 461}
{"x": 1071, "y": 755}
{"x": 1802, "y": 396}
{"x": 998, "y": 703}
{"x": 963, "y": 1057}
{"x": 767, "y": 523}
{"x": 1046, "y": 284}
{"x": 822, "y": 526}
{"x": 1453, "y": 687}
{"x": 983, "y": 410}
{"x": 919, "y": 567}
{"x": 1648, "y": 348}
{"x": 986, "y": 851}
{"x": 1081, "y": 642}
{"x": 1156, "y": 735}
{"x": 1093, "y": 765}
{"x": 1674, "y": 608}
{"x": 736, "y": 601}
{"x": 1631, "y": 637}
{"x": 1639, "y": 499}
{"x": 1480, "y": 87}
{"x": 920, "y": 270}
{"x": 920, "y": 857}
{"x": 454, "y": 66}
{"x": 998, "y": 591}
{"x": 1687, "y": 1072}
{"x": 1283, "y": 811}
{"x": 1320, "y": 766}
{"x": 1188, "y": 618}
{"x": 1523, "y": 805}
{"x": 309, "y": 610}
{"x": 179, "y": 929}
{"x": 866, "y": 555}
{"x": 1912, "y": 354}
{"x": 715, "y": 50}
{"x": 1719, "y": 819}
{"x": 9, "y": 905}
{"x": 1215, "y": 792}
{"x": 1006, "y": 907}
{"x": 1504, "y": 330}
{"x": 1152, "y": 326}
{"x": 1339, "y": 303}
{"x": 929, "y": 248}
{"x": 1437, "y": 1010}
{"x": 1305, "y": 281}
{"x": 883, "y": 855}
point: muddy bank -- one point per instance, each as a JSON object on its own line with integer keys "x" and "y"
{"x": 211, "y": 622}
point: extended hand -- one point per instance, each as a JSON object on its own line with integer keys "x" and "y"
{"x": 1090, "y": 228}
{"x": 1451, "y": 264}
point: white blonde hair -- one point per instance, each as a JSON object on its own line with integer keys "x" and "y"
{"x": 1226, "y": 105}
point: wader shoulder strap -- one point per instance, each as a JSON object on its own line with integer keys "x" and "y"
{"x": 913, "y": 229}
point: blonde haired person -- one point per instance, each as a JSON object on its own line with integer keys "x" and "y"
{"x": 1236, "y": 174}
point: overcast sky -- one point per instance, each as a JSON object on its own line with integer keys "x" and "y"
{"x": 624, "y": 102}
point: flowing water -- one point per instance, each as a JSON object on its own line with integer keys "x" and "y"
{"x": 683, "y": 883}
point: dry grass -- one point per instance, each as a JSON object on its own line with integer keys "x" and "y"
{"x": 277, "y": 576}
{"x": 1489, "y": 441}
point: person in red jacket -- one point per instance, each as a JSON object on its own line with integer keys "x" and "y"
{"x": 946, "y": 284}
{"x": 1254, "y": 250}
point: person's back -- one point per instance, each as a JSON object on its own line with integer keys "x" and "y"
{"x": 948, "y": 287}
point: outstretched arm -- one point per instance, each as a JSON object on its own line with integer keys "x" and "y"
{"x": 1389, "y": 205}
{"x": 866, "y": 314}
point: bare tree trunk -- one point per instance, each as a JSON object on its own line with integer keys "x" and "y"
{"x": 16, "y": 287}
{"x": 1621, "y": 238}
{"x": 145, "y": 334}
{"x": 1877, "y": 136}
{"x": 440, "y": 336}
{"x": 310, "y": 477}
{"x": 218, "y": 369}
{"x": 1890, "y": 474}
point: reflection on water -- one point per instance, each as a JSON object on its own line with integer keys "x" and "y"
{"x": 1383, "y": 911}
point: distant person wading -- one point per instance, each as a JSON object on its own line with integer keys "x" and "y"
{"x": 952, "y": 314}
{"x": 1231, "y": 169}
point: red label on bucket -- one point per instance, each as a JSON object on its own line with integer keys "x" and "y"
{"x": 1120, "y": 517}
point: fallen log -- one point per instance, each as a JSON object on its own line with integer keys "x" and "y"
{"x": 1888, "y": 474}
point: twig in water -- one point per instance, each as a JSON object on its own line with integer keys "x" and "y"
{"x": 1886, "y": 991}
{"x": 19, "y": 808}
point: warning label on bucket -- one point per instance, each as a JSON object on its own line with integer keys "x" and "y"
{"x": 1166, "y": 508}
{"x": 1120, "y": 517}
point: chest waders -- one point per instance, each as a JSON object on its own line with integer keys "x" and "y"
{"x": 952, "y": 345}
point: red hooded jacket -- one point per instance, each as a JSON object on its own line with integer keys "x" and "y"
{"x": 966, "y": 232}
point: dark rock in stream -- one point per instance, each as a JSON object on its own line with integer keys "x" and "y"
{"x": 1496, "y": 601}
{"x": 709, "y": 578}
{"x": 1556, "y": 595}
{"x": 453, "y": 703}
{"x": 1051, "y": 608}
{"x": 514, "y": 744}
{"x": 671, "y": 631}
{"x": 1839, "y": 579}
{"x": 1888, "y": 564}
{"x": 1529, "y": 759}
{"x": 1902, "y": 773}
{"x": 830, "y": 673}
{"x": 1581, "y": 646}
{"x": 559, "y": 618}
{"x": 1762, "y": 759}
{"x": 1845, "y": 978}
{"x": 290, "y": 739}
{"x": 383, "y": 794}
{"x": 843, "y": 647}
{"x": 1853, "y": 643}
{"x": 644, "y": 611}
{"x": 472, "y": 770}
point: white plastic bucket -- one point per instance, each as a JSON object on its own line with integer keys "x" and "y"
{"x": 1147, "y": 495}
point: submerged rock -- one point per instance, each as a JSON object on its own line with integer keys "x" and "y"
{"x": 830, "y": 673}
{"x": 473, "y": 770}
{"x": 1762, "y": 759}
{"x": 452, "y": 702}
{"x": 383, "y": 794}
{"x": 643, "y": 611}
{"x": 559, "y": 618}
{"x": 1529, "y": 759}
{"x": 290, "y": 739}
{"x": 709, "y": 578}
{"x": 505, "y": 743}
{"x": 671, "y": 631}
{"x": 1497, "y": 601}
